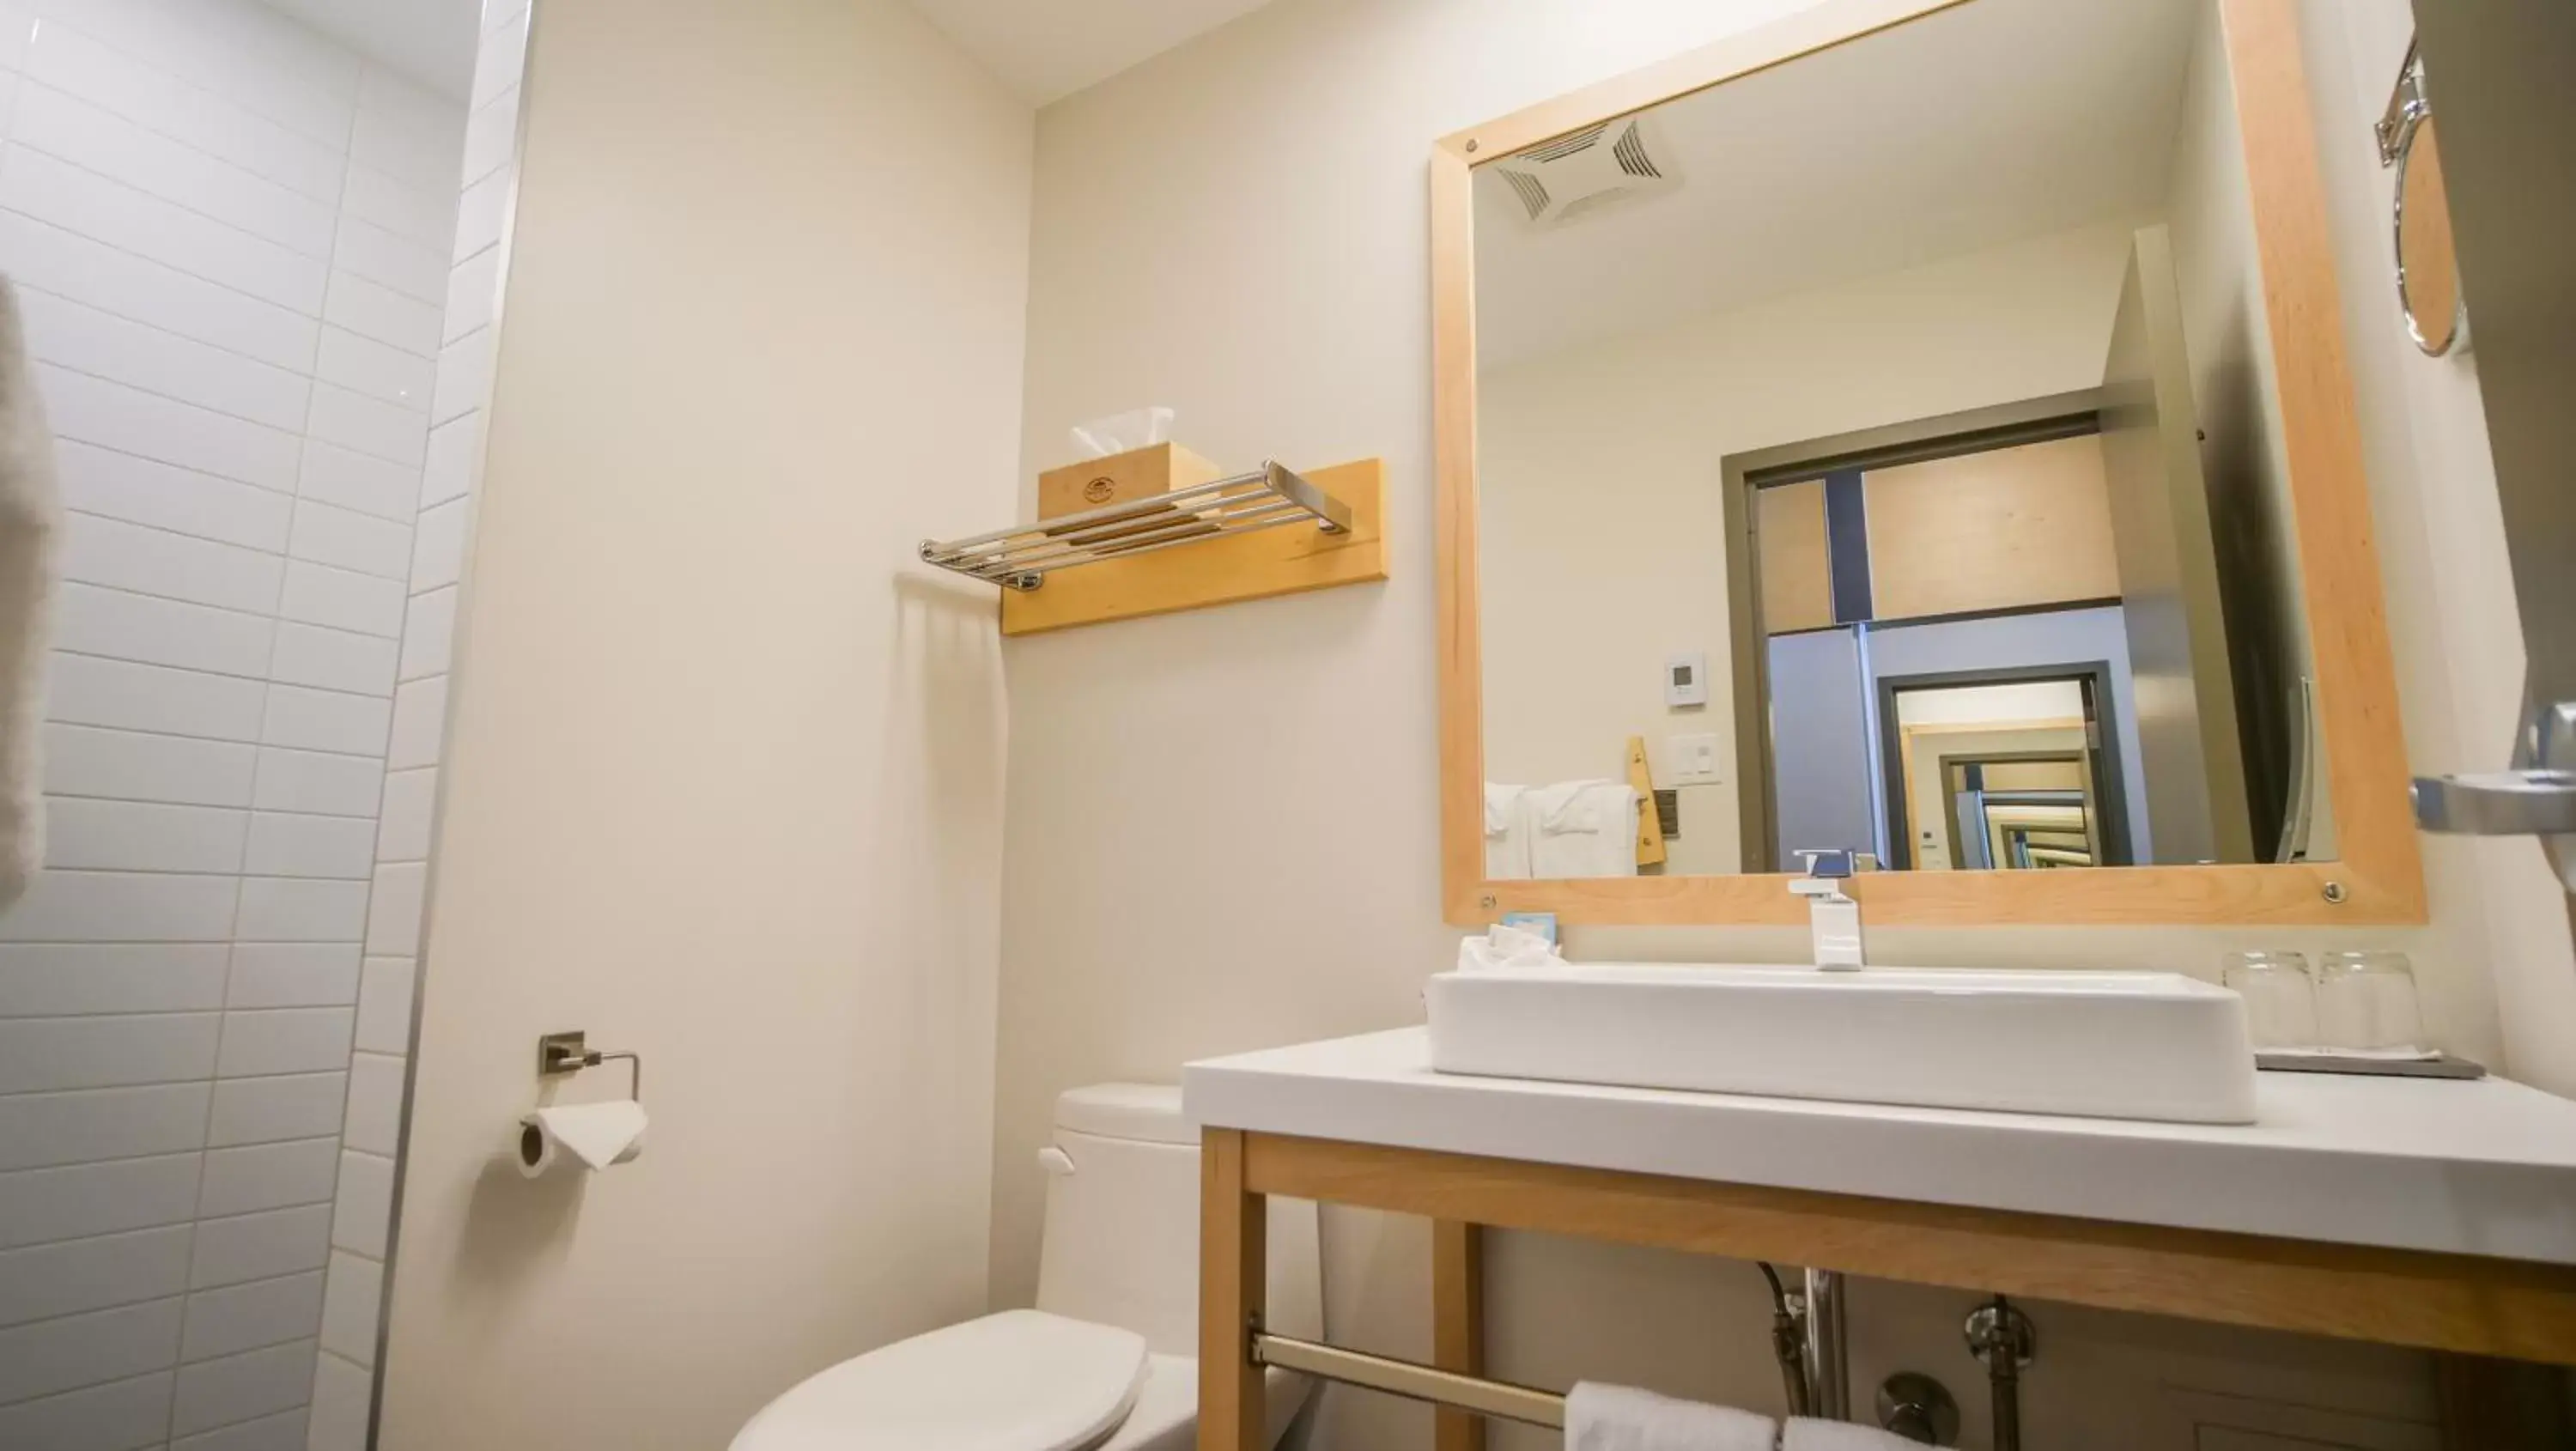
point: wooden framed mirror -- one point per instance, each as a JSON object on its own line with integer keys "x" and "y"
{"x": 1919, "y": 428}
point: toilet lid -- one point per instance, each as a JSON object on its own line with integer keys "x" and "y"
{"x": 1022, "y": 1380}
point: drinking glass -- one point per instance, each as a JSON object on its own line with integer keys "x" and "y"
{"x": 2280, "y": 997}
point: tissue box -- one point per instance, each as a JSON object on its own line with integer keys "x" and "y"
{"x": 1121, "y": 477}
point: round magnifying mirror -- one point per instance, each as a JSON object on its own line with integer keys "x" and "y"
{"x": 2428, "y": 276}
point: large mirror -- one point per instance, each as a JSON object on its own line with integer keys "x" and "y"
{"x": 1884, "y": 450}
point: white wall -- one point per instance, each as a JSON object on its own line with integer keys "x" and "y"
{"x": 722, "y": 771}
{"x": 1600, "y": 520}
{"x": 229, "y": 236}
{"x": 2457, "y": 635}
{"x": 1222, "y": 825}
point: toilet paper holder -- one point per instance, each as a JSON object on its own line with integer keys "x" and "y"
{"x": 562, "y": 1053}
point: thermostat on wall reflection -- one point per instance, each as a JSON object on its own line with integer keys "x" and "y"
{"x": 1686, "y": 678}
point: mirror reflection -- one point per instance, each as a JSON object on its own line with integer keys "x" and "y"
{"x": 1901, "y": 478}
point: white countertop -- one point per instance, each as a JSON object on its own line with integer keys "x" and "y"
{"x": 2485, "y": 1167}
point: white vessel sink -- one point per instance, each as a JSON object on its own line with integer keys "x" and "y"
{"x": 2137, "y": 1045}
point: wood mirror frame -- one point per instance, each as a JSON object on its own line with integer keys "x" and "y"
{"x": 2379, "y": 876}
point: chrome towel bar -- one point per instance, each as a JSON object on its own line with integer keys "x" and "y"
{"x": 1414, "y": 1382}
{"x": 1022, "y": 556}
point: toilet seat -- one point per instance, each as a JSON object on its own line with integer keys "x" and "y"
{"x": 1022, "y": 1380}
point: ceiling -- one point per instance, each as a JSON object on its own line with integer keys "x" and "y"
{"x": 431, "y": 41}
{"x": 1049, "y": 49}
{"x": 1985, "y": 124}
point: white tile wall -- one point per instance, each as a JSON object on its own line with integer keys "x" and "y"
{"x": 232, "y": 241}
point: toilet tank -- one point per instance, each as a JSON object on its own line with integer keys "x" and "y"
{"x": 1122, "y": 1223}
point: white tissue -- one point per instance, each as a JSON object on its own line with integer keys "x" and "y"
{"x": 1120, "y": 432}
{"x": 1507, "y": 946}
{"x": 591, "y": 1135}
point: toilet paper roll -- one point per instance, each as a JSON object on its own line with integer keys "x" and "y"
{"x": 591, "y": 1136}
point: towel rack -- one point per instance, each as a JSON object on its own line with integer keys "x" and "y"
{"x": 1022, "y": 556}
{"x": 1414, "y": 1382}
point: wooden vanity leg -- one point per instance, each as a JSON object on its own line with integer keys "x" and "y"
{"x": 1233, "y": 1279}
{"x": 1458, "y": 1322}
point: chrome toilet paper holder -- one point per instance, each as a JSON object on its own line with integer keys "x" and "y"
{"x": 563, "y": 1053}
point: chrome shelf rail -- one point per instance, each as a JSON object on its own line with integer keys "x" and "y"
{"x": 1021, "y": 557}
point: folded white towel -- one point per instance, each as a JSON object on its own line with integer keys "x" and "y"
{"x": 1805, "y": 1433}
{"x": 29, "y": 523}
{"x": 1507, "y": 832}
{"x": 1620, "y": 1418}
{"x": 1584, "y": 829}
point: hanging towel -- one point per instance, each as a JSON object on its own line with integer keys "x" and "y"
{"x": 1805, "y": 1433}
{"x": 29, "y": 522}
{"x": 1507, "y": 832}
{"x": 1618, "y": 1418}
{"x": 1583, "y": 829}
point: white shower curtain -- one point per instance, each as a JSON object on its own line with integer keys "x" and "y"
{"x": 30, "y": 521}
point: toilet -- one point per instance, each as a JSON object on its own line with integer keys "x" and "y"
{"x": 1108, "y": 1359}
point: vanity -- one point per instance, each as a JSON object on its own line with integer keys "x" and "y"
{"x": 1915, "y": 434}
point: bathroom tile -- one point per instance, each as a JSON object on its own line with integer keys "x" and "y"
{"x": 301, "y": 909}
{"x": 69, "y": 906}
{"x": 342, "y": 598}
{"x": 71, "y": 61}
{"x": 310, "y": 846}
{"x": 61, "y": 979}
{"x": 491, "y": 133}
{"x": 373, "y": 310}
{"x": 352, "y": 420}
{"x": 455, "y": 452}
{"x": 393, "y": 918}
{"x": 438, "y": 546}
{"x": 268, "y": 1176}
{"x": 321, "y": 720}
{"x": 39, "y": 1206}
{"x": 481, "y": 212}
{"x": 72, "y": 1277}
{"x": 500, "y": 58}
{"x": 346, "y": 539}
{"x": 76, "y": 1350}
{"x": 343, "y": 1394}
{"x": 260, "y": 1246}
{"x": 121, "y": 695}
{"x": 38, "y": 1130}
{"x": 378, "y": 488}
{"x": 265, "y": 1110}
{"x": 36, "y": 184}
{"x": 102, "y": 344}
{"x": 413, "y": 268}
{"x": 54, "y": 1055}
{"x": 420, "y": 723}
{"x": 365, "y": 1209}
{"x": 171, "y": 566}
{"x": 284, "y": 1431}
{"x": 123, "y": 1414}
{"x": 406, "y": 131}
{"x": 274, "y": 1041}
{"x": 249, "y": 1317}
{"x": 379, "y": 370}
{"x": 98, "y": 140}
{"x": 473, "y": 294}
{"x": 119, "y": 624}
{"x": 146, "y": 766}
{"x": 375, "y": 1103}
{"x": 143, "y": 836}
{"x": 428, "y": 633}
{"x": 241, "y": 1387}
{"x": 350, "y": 1309}
{"x": 464, "y": 375}
{"x": 94, "y": 410}
{"x": 247, "y": 55}
{"x": 63, "y": 262}
{"x": 317, "y": 783}
{"x": 293, "y": 975}
{"x": 145, "y": 491}
{"x": 410, "y": 801}
{"x": 384, "y": 1006}
{"x": 413, "y": 212}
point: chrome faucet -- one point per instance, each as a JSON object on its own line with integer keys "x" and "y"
{"x": 1833, "y": 916}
